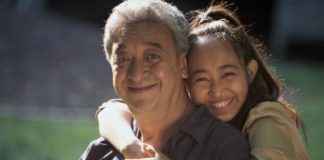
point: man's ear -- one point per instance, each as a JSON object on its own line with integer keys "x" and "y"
{"x": 183, "y": 65}
{"x": 252, "y": 69}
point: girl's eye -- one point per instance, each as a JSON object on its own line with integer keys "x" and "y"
{"x": 201, "y": 79}
{"x": 228, "y": 74}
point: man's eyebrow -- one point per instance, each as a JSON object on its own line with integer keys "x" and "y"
{"x": 120, "y": 47}
{"x": 154, "y": 44}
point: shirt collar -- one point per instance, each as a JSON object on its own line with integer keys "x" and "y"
{"x": 198, "y": 124}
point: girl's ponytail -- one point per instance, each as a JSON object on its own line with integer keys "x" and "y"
{"x": 218, "y": 12}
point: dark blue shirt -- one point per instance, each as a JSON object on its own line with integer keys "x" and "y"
{"x": 201, "y": 136}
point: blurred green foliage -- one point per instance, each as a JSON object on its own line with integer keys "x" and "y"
{"x": 45, "y": 139}
{"x": 305, "y": 80}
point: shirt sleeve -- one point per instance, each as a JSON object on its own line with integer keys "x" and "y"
{"x": 107, "y": 104}
{"x": 270, "y": 140}
{"x": 273, "y": 134}
{"x": 101, "y": 149}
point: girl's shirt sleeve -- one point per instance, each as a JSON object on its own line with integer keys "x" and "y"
{"x": 273, "y": 134}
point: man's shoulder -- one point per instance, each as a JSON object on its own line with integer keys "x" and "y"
{"x": 100, "y": 149}
{"x": 208, "y": 126}
{"x": 202, "y": 120}
{"x": 202, "y": 136}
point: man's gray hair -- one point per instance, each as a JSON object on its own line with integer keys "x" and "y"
{"x": 133, "y": 11}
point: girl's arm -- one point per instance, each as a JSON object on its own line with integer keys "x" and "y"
{"x": 115, "y": 126}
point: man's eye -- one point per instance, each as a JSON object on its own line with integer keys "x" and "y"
{"x": 121, "y": 60}
{"x": 153, "y": 58}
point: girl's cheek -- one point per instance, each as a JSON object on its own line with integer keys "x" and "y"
{"x": 198, "y": 94}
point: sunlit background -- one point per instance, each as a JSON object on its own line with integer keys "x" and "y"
{"x": 53, "y": 73}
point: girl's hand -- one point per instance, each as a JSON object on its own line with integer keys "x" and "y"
{"x": 142, "y": 151}
{"x": 161, "y": 156}
{"x": 138, "y": 150}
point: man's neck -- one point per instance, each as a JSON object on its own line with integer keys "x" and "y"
{"x": 157, "y": 128}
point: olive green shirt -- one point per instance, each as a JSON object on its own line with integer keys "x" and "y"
{"x": 272, "y": 132}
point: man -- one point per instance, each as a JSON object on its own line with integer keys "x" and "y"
{"x": 146, "y": 43}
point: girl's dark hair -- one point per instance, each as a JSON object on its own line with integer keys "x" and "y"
{"x": 221, "y": 23}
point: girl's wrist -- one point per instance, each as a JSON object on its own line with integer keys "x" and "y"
{"x": 134, "y": 150}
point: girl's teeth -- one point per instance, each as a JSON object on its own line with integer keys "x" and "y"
{"x": 222, "y": 104}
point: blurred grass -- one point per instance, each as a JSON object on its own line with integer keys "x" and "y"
{"x": 44, "y": 139}
{"x": 306, "y": 81}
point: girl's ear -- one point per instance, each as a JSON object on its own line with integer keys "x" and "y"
{"x": 252, "y": 69}
{"x": 183, "y": 65}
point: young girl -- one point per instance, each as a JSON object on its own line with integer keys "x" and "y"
{"x": 229, "y": 75}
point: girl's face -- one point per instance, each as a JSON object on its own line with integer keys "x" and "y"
{"x": 217, "y": 79}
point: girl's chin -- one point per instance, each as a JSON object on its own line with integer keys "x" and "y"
{"x": 225, "y": 117}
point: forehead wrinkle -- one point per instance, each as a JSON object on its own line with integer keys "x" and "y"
{"x": 134, "y": 32}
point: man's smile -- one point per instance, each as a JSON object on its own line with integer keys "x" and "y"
{"x": 141, "y": 89}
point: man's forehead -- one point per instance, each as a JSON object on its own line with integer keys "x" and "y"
{"x": 148, "y": 28}
{"x": 122, "y": 44}
{"x": 147, "y": 33}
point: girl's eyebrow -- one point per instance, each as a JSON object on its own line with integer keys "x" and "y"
{"x": 228, "y": 66}
{"x": 197, "y": 71}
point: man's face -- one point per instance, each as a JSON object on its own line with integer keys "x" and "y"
{"x": 146, "y": 70}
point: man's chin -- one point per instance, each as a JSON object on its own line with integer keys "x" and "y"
{"x": 141, "y": 105}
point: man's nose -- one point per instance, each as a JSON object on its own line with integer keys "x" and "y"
{"x": 135, "y": 71}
